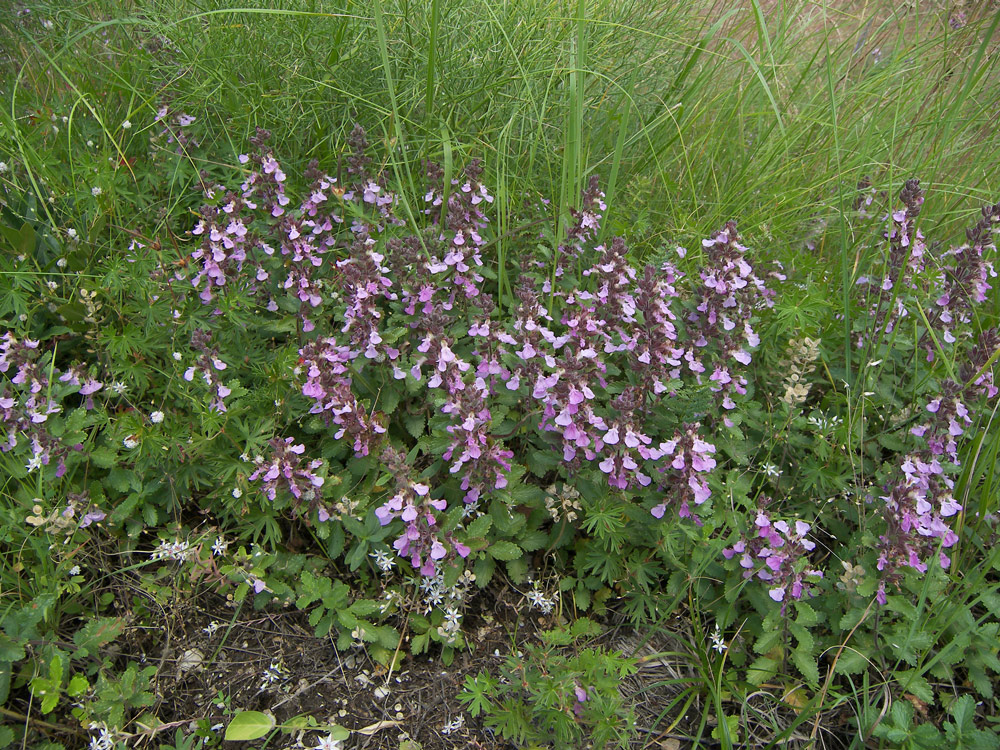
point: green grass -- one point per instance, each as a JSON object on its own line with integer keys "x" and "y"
{"x": 701, "y": 114}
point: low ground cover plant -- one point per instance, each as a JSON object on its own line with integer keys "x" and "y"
{"x": 378, "y": 390}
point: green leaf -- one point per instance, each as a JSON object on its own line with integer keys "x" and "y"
{"x": 851, "y": 661}
{"x": 911, "y": 681}
{"x": 10, "y": 650}
{"x": 5, "y": 670}
{"x": 480, "y": 526}
{"x": 414, "y": 424}
{"x": 517, "y": 570}
{"x": 807, "y": 666}
{"x": 419, "y": 643}
{"x": 103, "y": 457}
{"x": 96, "y": 633}
{"x": 249, "y": 725}
{"x": 78, "y": 685}
{"x": 484, "y": 570}
{"x": 503, "y": 550}
{"x": 762, "y": 670}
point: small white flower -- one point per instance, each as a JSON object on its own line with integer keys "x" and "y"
{"x": 219, "y": 547}
{"x": 47, "y": 24}
{"x": 212, "y": 627}
{"x": 61, "y": 263}
{"x": 75, "y": 570}
{"x": 383, "y": 560}
{"x": 771, "y": 470}
{"x": 90, "y": 144}
{"x": 118, "y": 388}
{"x": 328, "y": 743}
{"x": 175, "y": 550}
{"x": 538, "y": 599}
{"x": 176, "y": 356}
{"x": 156, "y": 417}
{"x": 52, "y": 285}
{"x": 71, "y": 233}
{"x": 237, "y": 493}
{"x": 453, "y": 726}
{"x": 95, "y": 191}
{"x": 273, "y": 673}
{"x": 452, "y": 618}
{"x": 35, "y": 462}
{"x": 126, "y": 125}
{"x": 131, "y": 442}
{"x": 718, "y": 642}
{"x": 3, "y": 167}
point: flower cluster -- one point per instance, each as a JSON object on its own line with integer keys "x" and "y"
{"x": 174, "y": 124}
{"x": 461, "y": 220}
{"x": 284, "y": 471}
{"x": 905, "y": 260}
{"x": 783, "y": 548}
{"x": 416, "y": 305}
{"x": 328, "y": 384}
{"x": 918, "y": 504}
{"x": 175, "y": 550}
{"x": 422, "y": 541}
{"x": 690, "y": 459}
{"x": 27, "y": 402}
{"x": 963, "y": 279}
{"x": 206, "y": 366}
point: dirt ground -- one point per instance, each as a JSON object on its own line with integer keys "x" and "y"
{"x": 272, "y": 662}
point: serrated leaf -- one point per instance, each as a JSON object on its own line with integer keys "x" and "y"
{"x": 96, "y": 633}
{"x": 762, "y": 670}
{"x": 851, "y": 618}
{"x": 480, "y": 526}
{"x": 415, "y": 424}
{"x": 102, "y": 457}
{"x": 484, "y": 569}
{"x": 807, "y": 616}
{"x": 364, "y": 607}
{"x": 992, "y": 602}
{"x": 517, "y": 570}
{"x": 78, "y": 685}
{"x": 533, "y": 540}
{"x": 963, "y": 710}
{"x": 803, "y": 636}
{"x": 249, "y": 725}
{"x": 806, "y": 665}
{"x": 851, "y": 661}
{"x": 419, "y": 643}
{"x": 124, "y": 509}
{"x": 910, "y": 681}
{"x": 767, "y": 640}
{"x": 119, "y": 479}
{"x": 503, "y": 550}
{"x": 10, "y": 650}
